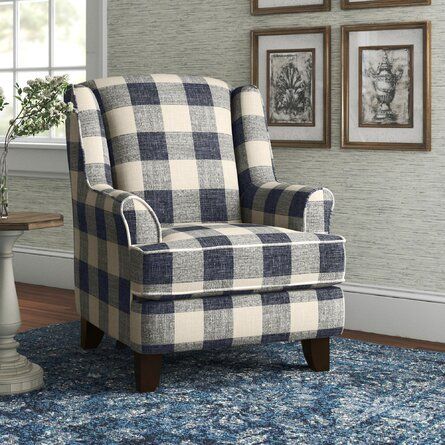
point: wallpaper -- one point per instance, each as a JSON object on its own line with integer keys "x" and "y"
{"x": 389, "y": 204}
{"x": 43, "y": 195}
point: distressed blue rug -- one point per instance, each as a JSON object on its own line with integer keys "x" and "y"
{"x": 248, "y": 395}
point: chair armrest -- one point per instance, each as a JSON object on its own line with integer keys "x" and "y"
{"x": 126, "y": 218}
{"x": 295, "y": 207}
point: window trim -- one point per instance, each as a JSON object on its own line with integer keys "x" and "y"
{"x": 48, "y": 159}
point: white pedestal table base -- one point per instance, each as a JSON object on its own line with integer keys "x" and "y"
{"x": 17, "y": 373}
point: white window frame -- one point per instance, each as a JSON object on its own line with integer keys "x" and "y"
{"x": 48, "y": 158}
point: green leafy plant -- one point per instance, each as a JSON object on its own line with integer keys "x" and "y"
{"x": 41, "y": 108}
{"x": 3, "y": 102}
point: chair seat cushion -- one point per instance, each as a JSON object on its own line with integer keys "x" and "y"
{"x": 211, "y": 259}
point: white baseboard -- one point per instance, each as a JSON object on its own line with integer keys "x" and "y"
{"x": 52, "y": 268}
{"x": 400, "y": 312}
{"x": 383, "y": 310}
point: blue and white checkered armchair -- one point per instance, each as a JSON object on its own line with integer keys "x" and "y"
{"x": 184, "y": 239}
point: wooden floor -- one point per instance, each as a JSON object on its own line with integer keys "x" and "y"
{"x": 42, "y": 306}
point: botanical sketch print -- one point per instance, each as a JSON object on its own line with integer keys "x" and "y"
{"x": 386, "y": 86}
{"x": 290, "y": 87}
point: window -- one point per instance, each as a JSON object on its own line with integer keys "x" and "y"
{"x": 37, "y": 38}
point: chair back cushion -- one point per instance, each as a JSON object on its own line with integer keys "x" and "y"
{"x": 170, "y": 142}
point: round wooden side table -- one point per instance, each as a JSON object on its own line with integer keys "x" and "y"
{"x": 17, "y": 373}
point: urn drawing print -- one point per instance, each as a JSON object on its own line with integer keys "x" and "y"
{"x": 385, "y": 86}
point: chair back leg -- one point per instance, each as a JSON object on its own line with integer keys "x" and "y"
{"x": 90, "y": 335}
{"x": 316, "y": 353}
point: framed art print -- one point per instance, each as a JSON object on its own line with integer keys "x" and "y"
{"x": 381, "y": 105}
{"x": 291, "y": 68}
{"x": 284, "y": 65}
{"x": 288, "y": 6}
{"x": 360, "y": 4}
{"x": 386, "y": 85}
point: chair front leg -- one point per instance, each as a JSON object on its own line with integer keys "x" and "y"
{"x": 90, "y": 335}
{"x": 316, "y": 353}
{"x": 147, "y": 371}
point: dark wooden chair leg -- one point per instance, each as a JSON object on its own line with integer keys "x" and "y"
{"x": 316, "y": 353}
{"x": 120, "y": 345}
{"x": 90, "y": 335}
{"x": 147, "y": 371}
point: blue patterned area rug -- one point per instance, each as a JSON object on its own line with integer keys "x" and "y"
{"x": 248, "y": 395}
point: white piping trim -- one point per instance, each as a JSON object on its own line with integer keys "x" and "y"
{"x": 240, "y": 246}
{"x": 149, "y": 209}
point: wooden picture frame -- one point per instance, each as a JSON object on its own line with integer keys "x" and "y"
{"x": 325, "y": 5}
{"x": 315, "y": 132}
{"x": 416, "y": 100}
{"x": 365, "y": 4}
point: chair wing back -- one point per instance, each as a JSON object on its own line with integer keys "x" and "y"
{"x": 93, "y": 160}
{"x": 170, "y": 142}
{"x": 251, "y": 138}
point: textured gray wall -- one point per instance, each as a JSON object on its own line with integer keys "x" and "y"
{"x": 389, "y": 205}
{"x": 43, "y": 195}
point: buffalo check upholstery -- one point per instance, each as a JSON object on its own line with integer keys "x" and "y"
{"x": 232, "y": 320}
{"x": 264, "y": 200}
{"x": 184, "y": 239}
{"x": 210, "y": 259}
{"x": 171, "y": 144}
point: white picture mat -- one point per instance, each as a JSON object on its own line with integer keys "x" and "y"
{"x": 382, "y": 38}
{"x": 295, "y": 41}
{"x": 283, "y": 3}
